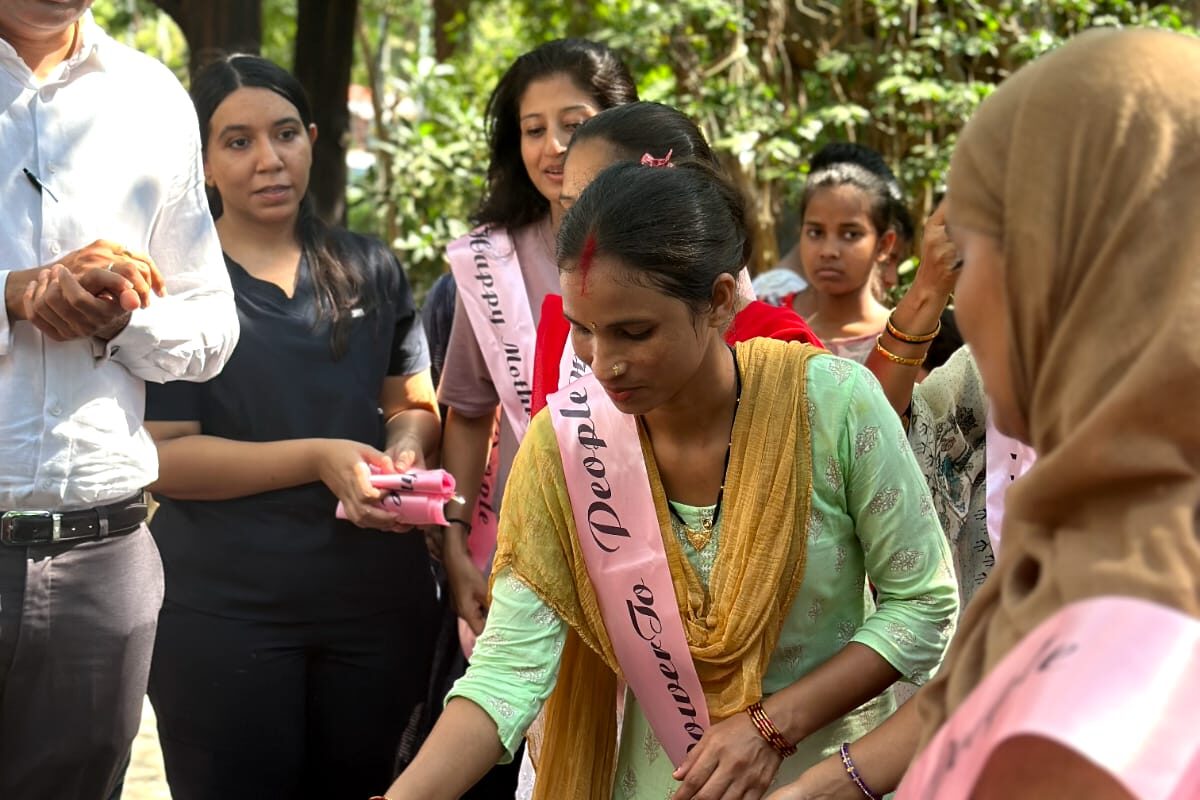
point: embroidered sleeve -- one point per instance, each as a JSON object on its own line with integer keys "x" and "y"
{"x": 515, "y": 662}
{"x": 949, "y": 418}
{"x": 906, "y": 555}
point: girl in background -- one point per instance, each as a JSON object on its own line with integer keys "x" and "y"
{"x": 846, "y": 235}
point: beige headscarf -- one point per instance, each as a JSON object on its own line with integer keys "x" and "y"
{"x": 1086, "y": 166}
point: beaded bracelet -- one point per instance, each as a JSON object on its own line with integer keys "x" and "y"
{"x": 895, "y": 359}
{"x": 911, "y": 338}
{"x": 852, "y": 771}
{"x": 768, "y": 731}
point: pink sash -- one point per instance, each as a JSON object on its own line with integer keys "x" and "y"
{"x": 1007, "y": 460}
{"x": 1115, "y": 679}
{"x": 622, "y": 545}
{"x": 570, "y": 367}
{"x": 488, "y": 276}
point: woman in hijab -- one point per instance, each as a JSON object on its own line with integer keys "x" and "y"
{"x": 1073, "y": 200}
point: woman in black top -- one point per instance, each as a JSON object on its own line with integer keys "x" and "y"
{"x": 292, "y": 647}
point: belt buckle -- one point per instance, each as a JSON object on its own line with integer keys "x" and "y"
{"x": 11, "y": 524}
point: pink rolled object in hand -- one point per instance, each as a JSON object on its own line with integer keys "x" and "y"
{"x": 436, "y": 482}
{"x": 416, "y": 497}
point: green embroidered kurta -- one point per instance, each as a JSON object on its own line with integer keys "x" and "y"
{"x": 871, "y": 519}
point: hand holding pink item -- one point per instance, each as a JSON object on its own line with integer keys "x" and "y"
{"x": 417, "y": 497}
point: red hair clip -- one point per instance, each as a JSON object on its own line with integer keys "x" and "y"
{"x": 650, "y": 161}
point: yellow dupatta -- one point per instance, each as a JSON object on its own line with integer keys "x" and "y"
{"x": 732, "y": 629}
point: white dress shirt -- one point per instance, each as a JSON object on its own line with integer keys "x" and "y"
{"x": 113, "y": 136}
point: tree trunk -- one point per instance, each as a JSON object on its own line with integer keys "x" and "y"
{"x": 324, "y": 55}
{"x": 215, "y": 27}
{"x": 373, "y": 60}
{"x": 449, "y": 23}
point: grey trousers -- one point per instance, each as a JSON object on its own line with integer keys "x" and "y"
{"x": 77, "y": 625}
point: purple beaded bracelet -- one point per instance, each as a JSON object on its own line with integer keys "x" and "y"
{"x": 852, "y": 771}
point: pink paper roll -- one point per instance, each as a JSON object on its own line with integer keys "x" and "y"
{"x": 416, "y": 497}
{"x": 427, "y": 481}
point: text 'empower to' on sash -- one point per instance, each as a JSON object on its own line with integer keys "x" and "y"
{"x": 622, "y": 546}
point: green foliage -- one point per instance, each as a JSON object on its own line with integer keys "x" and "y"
{"x": 143, "y": 25}
{"x": 140, "y": 24}
{"x": 427, "y": 142}
{"x": 279, "y": 31}
{"x": 769, "y": 81}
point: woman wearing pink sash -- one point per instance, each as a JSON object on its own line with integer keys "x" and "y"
{"x": 504, "y": 269}
{"x": 1076, "y": 672}
{"x": 767, "y": 483}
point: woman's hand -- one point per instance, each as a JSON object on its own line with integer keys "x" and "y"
{"x": 939, "y": 257}
{"x": 825, "y": 780}
{"x": 793, "y": 791}
{"x": 344, "y": 466}
{"x": 731, "y": 762}
{"x": 468, "y": 586}
{"x": 406, "y": 454}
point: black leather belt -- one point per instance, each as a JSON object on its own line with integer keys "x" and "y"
{"x": 23, "y": 528}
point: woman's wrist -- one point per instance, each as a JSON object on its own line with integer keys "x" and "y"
{"x": 315, "y": 451}
{"x": 403, "y": 437}
{"x": 454, "y": 544}
{"x": 762, "y": 721}
{"x": 415, "y": 429}
{"x": 854, "y": 775}
{"x": 789, "y": 718}
{"x": 827, "y": 780}
{"x": 920, "y": 310}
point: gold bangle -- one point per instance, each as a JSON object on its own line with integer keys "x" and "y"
{"x": 911, "y": 338}
{"x": 895, "y": 359}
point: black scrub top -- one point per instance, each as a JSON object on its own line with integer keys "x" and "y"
{"x": 282, "y": 555}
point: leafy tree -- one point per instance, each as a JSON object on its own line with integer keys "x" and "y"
{"x": 769, "y": 81}
{"x": 314, "y": 38}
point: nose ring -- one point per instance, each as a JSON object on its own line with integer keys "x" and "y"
{"x": 619, "y": 369}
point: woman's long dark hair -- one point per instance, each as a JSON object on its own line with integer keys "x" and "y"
{"x": 336, "y": 282}
{"x": 511, "y": 199}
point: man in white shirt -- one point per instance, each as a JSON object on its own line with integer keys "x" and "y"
{"x": 112, "y": 276}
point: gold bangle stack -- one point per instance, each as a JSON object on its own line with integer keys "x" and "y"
{"x": 768, "y": 731}
{"x": 909, "y": 338}
{"x": 895, "y": 359}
